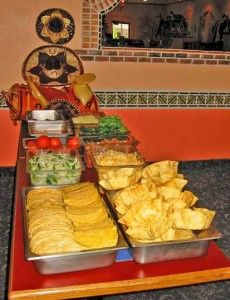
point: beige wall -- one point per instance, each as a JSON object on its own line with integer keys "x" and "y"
{"x": 160, "y": 77}
{"x": 18, "y": 39}
{"x": 18, "y": 35}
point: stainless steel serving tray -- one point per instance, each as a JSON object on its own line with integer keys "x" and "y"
{"x": 45, "y": 116}
{"x": 170, "y": 250}
{"x": 68, "y": 262}
{"x": 49, "y": 122}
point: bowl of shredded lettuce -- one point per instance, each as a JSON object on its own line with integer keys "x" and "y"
{"x": 54, "y": 168}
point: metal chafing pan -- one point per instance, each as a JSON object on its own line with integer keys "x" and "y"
{"x": 49, "y": 122}
{"x": 153, "y": 252}
{"x": 172, "y": 250}
{"x": 68, "y": 262}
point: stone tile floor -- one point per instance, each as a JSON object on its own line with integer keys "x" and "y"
{"x": 7, "y": 178}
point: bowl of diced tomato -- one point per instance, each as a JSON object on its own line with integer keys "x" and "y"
{"x": 45, "y": 142}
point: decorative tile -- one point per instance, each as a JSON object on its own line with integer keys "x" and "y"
{"x": 201, "y": 100}
{"x": 121, "y": 99}
{"x": 132, "y": 99}
{"x": 182, "y": 99}
{"x": 101, "y": 98}
{"x": 162, "y": 99}
{"x": 172, "y": 99}
{"x": 212, "y": 100}
{"x": 2, "y": 100}
{"x": 226, "y": 100}
{"x": 152, "y": 99}
{"x": 142, "y": 99}
{"x": 191, "y": 99}
{"x": 111, "y": 99}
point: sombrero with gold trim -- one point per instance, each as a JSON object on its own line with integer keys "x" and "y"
{"x": 52, "y": 65}
{"x": 55, "y": 25}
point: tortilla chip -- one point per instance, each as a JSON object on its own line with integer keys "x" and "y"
{"x": 119, "y": 178}
{"x": 177, "y": 182}
{"x": 160, "y": 172}
{"x": 139, "y": 233}
{"x": 184, "y": 234}
{"x": 169, "y": 235}
{"x": 99, "y": 223}
{"x": 88, "y": 216}
{"x": 105, "y": 236}
{"x": 195, "y": 219}
{"x": 169, "y": 192}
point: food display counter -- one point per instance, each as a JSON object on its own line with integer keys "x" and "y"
{"x": 121, "y": 277}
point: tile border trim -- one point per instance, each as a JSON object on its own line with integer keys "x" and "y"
{"x": 156, "y": 99}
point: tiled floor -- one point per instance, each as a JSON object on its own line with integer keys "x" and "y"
{"x": 6, "y": 200}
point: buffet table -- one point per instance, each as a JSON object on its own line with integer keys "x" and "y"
{"x": 121, "y": 277}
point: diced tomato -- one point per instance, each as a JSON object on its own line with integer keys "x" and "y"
{"x": 55, "y": 143}
{"x": 43, "y": 142}
{"x": 31, "y": 144}
{"x": 73, "y": 143}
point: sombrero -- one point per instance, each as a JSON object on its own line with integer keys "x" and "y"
{"x": 52, "y": 65}
{"x": 55, "y": 25}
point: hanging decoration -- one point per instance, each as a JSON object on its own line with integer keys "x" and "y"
{"x": 52, "y": 65}
{"x": 55, "y": 26}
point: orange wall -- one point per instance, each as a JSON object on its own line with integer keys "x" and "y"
{"x": 179, "y": 134}
{"x": 18, "y": 35}
{"x": 8, "y": 140}
{"x": 160, "y": 77}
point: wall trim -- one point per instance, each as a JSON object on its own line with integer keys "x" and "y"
{"x": 156, "y": 99}
{"x": 159, "y": 99}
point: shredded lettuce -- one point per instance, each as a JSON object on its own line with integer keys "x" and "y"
{"x": 50, "y": 168}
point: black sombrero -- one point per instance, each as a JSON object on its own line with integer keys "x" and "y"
{"x": 52, "y": 65}
{"x": 55, "y": 26}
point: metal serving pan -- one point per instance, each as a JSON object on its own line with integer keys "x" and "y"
{"x": 49, "y": 122}
{"x": 120, "y": 147}
{"x": 68, "y": 262}
{"x": 172, "y": 250}
{"x": 45, "y": 115}
{"x": 152, "y": 252}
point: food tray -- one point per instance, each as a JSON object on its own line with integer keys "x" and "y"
{"x": 55, "y": 177}
{"x": 95, "y": 136}
{"x": 68, "y": 262}
{"x": 172, "y": 250}
{"x": 89, "y": 146}
{"x": 108, "y": 127}
{"x": 154, "y": 252}
{"x": 49, "y": 122}
{"x": 121, "y": 147}
{"x": 45, "y": 115}
{"x": 80, "y": 121}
